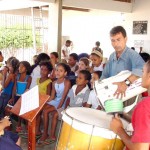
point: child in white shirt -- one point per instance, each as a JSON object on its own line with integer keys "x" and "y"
{"x": 92, "y": 100}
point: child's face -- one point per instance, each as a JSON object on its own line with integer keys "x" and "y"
{"x": 145, "y": 78}
{"x": 67, "y": 44}
{"x": 53, "y": 58}
{"x": 22, "y": 68}
{"x": 96, "y": 61}
{"x": 35, "y": 59}
{"x": 44, "y": 71}
{"x": 71, "y": 61}
{"x": 11, "y": 69}
{"x": 82, "y": 65}
{"x": 81, "y": 79}
{"x": 60, "y": 72}
{"x": 95, "y": 77}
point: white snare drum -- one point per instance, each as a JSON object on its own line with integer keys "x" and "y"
{"x": 88, "y": 129}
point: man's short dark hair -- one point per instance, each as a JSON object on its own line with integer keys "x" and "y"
{"x": 118, "y": 29}
{"x": 74, "y": 56}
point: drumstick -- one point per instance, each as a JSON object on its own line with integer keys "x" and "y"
{"x": 98, "y": 98}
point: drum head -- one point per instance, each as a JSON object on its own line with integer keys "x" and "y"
{"x": 92, "y": 117}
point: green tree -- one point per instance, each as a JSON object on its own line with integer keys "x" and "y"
{"x": 16, "y": 37}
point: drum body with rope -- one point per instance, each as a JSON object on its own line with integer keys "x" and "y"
{"x": 88, "y": 129}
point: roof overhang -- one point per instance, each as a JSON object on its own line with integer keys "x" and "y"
{"x": 20, "y": 4}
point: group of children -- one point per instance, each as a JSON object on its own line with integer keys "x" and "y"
{"x": 52, "y": 78}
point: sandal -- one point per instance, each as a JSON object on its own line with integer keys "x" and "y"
{"x": 50, "y": 140}
{"x": 24, "y": 134}
{"x": 38, "y": 136}
{"x": 19, "y": 129}
{"x": 41, "y": 142}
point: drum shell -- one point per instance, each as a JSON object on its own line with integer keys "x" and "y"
{"x": 78, "y": 135}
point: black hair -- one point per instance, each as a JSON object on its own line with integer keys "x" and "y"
{"x": 148, "y": 65}
{"x": 15, "y": 64}
{"x": 9, "y": 59}
{"x": 55, "y": 54}
{"x": 117, "y": 29}
{"x": 27, "y": 66}
{"x": 86, "y": 74}
{"x": 99, "y": 73}
{"x": 74, "y": 56}
{"x": 68, "y": 41}
{"x": 66, "y": 67}
{"x": 47, "y": 64}
{"x": 83, "y": 55}
{"x": 1, "y": 53}
{"x": 97, "y": 43}
{"x": 42, "y": 57}
{"x": 145, "y": 56}
{"x": 133, "y": 48}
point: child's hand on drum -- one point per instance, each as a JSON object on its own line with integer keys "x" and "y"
{"x": 116, "y": 124}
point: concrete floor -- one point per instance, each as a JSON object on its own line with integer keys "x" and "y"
{"x": 24, "y": 146}
{"x": 24, "y": 141}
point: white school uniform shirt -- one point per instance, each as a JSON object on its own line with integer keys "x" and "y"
{"x": 80, "y": 98}
{"x": 35, "y": 74}
{"x": 67, "y": 52}
{"x": 99, "y": 68}
{"x": 93, "y": 100}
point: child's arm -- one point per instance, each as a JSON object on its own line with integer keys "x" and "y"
{"x": 66, "y": 90}
{"x": 64, "y": 53}
{"x": 13, "y": 92}
{"x": 89, "y": 100}
{"x": 85, "y": 98}
{"x": 67, "y": 102}
{"x": 4, "y": 75}
{"x": 53, "y": 92}
{"x": 11, "y": 77}
{"x": 49, "y": 88}
{"x": 29, "y": 82}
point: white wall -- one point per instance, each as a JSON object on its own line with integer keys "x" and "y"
{"x": 140, "y": 12}
{"x": 84, "y": 28}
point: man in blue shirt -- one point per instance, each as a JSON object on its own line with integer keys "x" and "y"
{"x": 122, "y": 59}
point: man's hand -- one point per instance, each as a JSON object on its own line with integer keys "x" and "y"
{"x": 120, "y": 92}
{"x": 116, "y": 124}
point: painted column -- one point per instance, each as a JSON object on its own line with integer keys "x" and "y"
{"x": 55, "y": 27}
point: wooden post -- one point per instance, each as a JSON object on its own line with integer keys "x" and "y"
{"x": 31, "y": 134}
{"x": 31, "y": 118}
